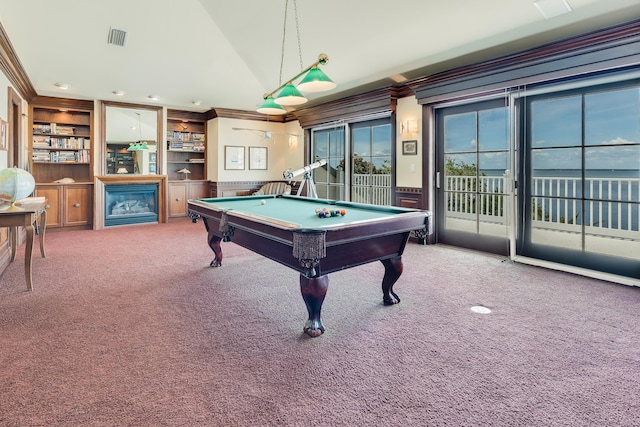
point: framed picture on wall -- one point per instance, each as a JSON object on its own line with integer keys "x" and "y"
{"x": 3, "y": 135}
{"x": 409, "y": 147}
{"x": 258, "y": 158}
{"x": 233, "y": 157}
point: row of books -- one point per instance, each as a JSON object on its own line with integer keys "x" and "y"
{"x": 80, "y": 156}
{"x": 53, "y": 142}
{"x": 52, "y": 129}
{"x": 186, "y": 146}
{"x": 185, "y": 136}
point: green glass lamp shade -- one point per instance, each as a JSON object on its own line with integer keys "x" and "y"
{"x": 270, "y": 107}
{"x": 316, "y": 81}
{"x": 289, "y": 95}
{"x": 138, "y": 146}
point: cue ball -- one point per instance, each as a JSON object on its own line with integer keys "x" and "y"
{"x": 263, "y": 202}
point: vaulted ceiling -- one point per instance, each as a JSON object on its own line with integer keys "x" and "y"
{"x": 227, "y": 54}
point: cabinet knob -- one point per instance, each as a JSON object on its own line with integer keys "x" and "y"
{"x": 76, "y": 205}
{"x": 47, "y": 206}
{"x": 177, "y": 199}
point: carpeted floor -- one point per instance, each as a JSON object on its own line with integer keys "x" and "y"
{"x": 129, "y": 326}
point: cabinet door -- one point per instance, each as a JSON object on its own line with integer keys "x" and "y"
{"x": 198, "y": 190}
{"x": 177, "y": 199}
{"x": 78, "y": 205}
{"x": 54, "y": 207}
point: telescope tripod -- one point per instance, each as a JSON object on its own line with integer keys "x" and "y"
{"x": 311, "y": 186}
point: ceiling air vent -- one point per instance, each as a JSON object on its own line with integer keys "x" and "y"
{"x": 117, "y": 37}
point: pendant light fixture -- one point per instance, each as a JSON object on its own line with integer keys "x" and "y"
{"x": 288, "y": 93}
{"x": 140, "y": 145}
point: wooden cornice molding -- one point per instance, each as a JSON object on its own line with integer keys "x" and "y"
{"x": 374, "y": 102}
{"x": 53, "y": 102}
{"x": 592, "y": 42}
{"x": 12, "y": 68}
{"x": 244, "y": 115}
{"x": 186, "y": 115}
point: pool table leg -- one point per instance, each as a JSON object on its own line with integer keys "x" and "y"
{"x": 314, "y": 289}
{"x": 214, "y": 244}
{"x": 392, "y": 270}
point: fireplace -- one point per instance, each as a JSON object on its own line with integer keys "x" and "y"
{"x": 157, "y": 183}
{"x": 130, "y": 203}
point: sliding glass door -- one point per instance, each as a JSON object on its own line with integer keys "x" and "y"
{"x": 473, "y": 156}
{"x": 581, "y": 172}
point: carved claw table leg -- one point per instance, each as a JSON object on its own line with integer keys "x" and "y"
{"x": 214, "y": 244}
{"x": 314, "y": 289}
{"x": 392, "y": 270}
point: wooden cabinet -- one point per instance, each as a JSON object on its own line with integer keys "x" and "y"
{"x": 69, "y": 206}
{"x": 181, "y": 191}
{"x": 186, "y": 145}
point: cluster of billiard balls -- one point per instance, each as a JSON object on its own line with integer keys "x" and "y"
{"x": 326, "y": 213}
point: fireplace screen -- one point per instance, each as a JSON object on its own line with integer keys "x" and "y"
{"x": 130, "y": 204}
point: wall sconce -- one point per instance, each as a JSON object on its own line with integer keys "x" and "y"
{"x": 409, "y": 127}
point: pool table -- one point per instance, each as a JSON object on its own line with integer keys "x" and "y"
{"x": 288, "y": 230}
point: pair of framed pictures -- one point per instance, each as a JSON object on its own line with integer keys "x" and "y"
{"x": 234, "y": 157}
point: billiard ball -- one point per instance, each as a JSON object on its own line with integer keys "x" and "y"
{"x": 263, "y": 202}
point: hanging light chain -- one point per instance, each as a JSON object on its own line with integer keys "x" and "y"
{"x": 295, "y": 11}
{"x": 284, "y": 37}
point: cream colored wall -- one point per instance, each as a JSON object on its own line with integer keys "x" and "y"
{"x": 408, "y": 167}
{"x": 4, "y": 103}
{"x": 283, "y": 152}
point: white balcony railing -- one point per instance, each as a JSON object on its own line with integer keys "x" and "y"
{"x": 371, "y": 189}
{"x": 611, "y": 207}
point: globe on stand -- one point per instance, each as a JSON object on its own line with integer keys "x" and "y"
{"x": 15, "y": 184}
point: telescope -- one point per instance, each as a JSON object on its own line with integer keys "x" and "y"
{"x": 306, "y": 170}
{"x": 303, "y": 170}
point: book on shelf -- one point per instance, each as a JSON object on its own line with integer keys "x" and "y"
{"x": 41, "y": 128}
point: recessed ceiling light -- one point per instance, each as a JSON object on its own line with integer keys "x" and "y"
{"x": 62, "y": 85}
{"x": 154, "y": 97}
{"x": 196, "y": 102}
{"x": 552, "y": 8}
{"x": 119, "y": 92}
{"x": 398, "y": 78}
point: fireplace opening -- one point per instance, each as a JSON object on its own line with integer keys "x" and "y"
{"x": 130, "y": 204}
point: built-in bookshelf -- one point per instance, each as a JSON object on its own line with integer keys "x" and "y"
{"x": 61, "y": 147}
{"x": 60, "y": 142}
{"x": 186, "y": 151}
{"x": 186, "y": 146}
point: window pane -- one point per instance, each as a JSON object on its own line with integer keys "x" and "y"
{"x": 556, "y": 122}
{"x": 336, "y": 143}
{"x": 321, "y": 144}
{"x": 494, "y": 163}
{"x": 612, "y": 118}
{"x": 381, "y": 140}
{"x": 381, "y": 165}
{"x": 493, "y": 132}
{"x": 460, "y": 132}
{"x": 557, "y": 172}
